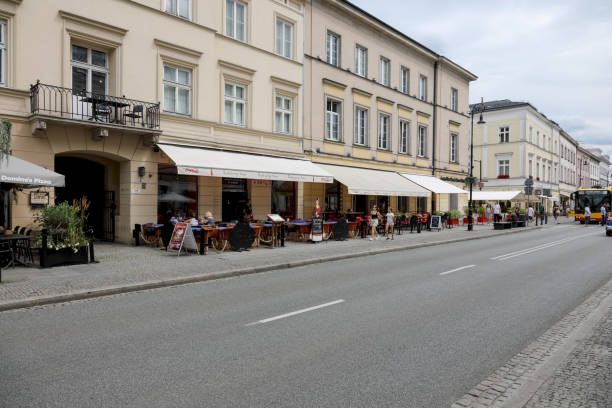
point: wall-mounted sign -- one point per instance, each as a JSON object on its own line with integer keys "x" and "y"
{"x": 39, "y": 198}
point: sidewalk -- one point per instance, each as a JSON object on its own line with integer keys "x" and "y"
{"x": 124, "y": 268}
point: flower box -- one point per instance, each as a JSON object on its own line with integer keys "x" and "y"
{"x": 53, "y": 257}
{"x": 453, "y": 221}
{"x": 483, "y": 219}
{"x": 503, "y": 176}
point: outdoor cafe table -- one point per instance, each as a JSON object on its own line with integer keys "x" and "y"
{"x": 13, "y": 239}
{"x": 96, "y": 100}
{"x": 220, "y": 236}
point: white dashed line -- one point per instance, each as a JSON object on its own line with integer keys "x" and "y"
{"x": 297, "y": 312}
{"x": 458, "y": 269}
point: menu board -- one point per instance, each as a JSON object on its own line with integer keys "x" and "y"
{"x": 182, "y": 237}
{"x": 435, "y": 222}
{"x": 275, "y": 218}
{"x": 316, "y": 231}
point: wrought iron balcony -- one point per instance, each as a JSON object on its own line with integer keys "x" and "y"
{"x": 64, "y": 103}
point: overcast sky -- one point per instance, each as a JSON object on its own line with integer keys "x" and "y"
{"x": 557, "y": 55}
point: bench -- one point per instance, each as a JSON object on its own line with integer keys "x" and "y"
{"x": 502, "y": 225}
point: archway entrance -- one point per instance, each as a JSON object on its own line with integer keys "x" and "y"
{"x": 86, "y": 178}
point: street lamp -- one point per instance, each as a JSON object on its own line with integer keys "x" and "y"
{"x": 475, "y": 108}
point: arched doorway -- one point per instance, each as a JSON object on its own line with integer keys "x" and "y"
{"x": 86, "y": 178}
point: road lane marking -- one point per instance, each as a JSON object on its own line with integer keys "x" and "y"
{"x": 297, "y": 312}
{"x": 458, "y": 269}
{"x": 540, "y": 247}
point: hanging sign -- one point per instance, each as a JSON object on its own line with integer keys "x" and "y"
{"x": 316, "y": 230}
{"x": 182, "y": 237}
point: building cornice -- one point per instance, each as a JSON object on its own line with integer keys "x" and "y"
{"x": 334, "y": 83}
{"x": 178, "y": 48}
{"x": 286, "y": 82}
{"x": 236, "y": 67}
{"x": 98, "y": 24}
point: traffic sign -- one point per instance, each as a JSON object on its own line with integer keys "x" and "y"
{"x": 529, "y": 182}
{"x": 528, "y": 190}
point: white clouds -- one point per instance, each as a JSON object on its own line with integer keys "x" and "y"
{"x": 555, "y": 54}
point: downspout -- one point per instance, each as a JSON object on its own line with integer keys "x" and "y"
{"x": 435, "y": 132}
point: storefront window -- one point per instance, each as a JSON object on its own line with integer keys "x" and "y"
{"x": 283, "y": 198}
{"x": 332, "y": 197}
{"x": 422, "y": 204}
{"x": 176, "y": 193}
{"x": 402, "y": 205}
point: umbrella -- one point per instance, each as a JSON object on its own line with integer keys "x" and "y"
{"x": 17, "y": 171}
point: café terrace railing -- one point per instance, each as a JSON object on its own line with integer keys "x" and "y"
{"x": 65, "y": 103}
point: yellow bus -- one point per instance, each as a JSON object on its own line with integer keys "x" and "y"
{"x": 595, "y": 198}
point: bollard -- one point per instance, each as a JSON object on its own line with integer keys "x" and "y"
{"x": 283, "y": 226}
{"x": 43, "y": 248}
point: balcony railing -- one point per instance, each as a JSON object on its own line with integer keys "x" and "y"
{"x": 65, "y": 103}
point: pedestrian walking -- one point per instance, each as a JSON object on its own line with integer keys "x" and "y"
{"x": 587, "y": 215}
{"x": 488, "y": 213}
{"x": 530, "y": 213}
{"x": 556, "y": 212}
{"x": 389, "y": 225}
{"x": 374, "y": 214}
{"x": 604, "y": 214}
{"x": 497, "y": 213}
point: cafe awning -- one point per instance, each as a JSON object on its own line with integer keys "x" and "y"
{"x": 494, "y": 195}
{"x": 17, "y": 171}
{"x": 197, "y": 161}
{"x": 433, "y": 184}
{"x": 375, "y": 182}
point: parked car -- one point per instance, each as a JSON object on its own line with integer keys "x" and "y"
{"x": 609, "y": 227}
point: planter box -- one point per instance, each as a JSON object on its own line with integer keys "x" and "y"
{"x": 453, "y": 221}
{"x": 483, "y": 219}
{"x": 53, "y": 257}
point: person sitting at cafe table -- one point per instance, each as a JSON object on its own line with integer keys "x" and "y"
{"x": 193, "y": 221}
{"x": 176, "y": 217}
{"x": 210, "y": 221}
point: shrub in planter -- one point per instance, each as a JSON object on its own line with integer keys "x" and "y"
{"x": 66, "y": 240}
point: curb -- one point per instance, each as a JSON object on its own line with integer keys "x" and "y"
{"x": 109, "y": 291}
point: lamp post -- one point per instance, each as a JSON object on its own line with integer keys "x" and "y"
{"x": 475, "y": 108}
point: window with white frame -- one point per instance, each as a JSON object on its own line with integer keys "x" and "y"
{"x": 503, "y": 167}
{"x": 89, "y": 70}
{"x": 284, "y": 38}
{"x": 384, "y": 71}
{"x": 333, "y": 49}
{"x": 235, "y": 19}
{"x": 454, "y": 99}
{"x": 283, "y": 114}
{"x": 177, "y": 90}
{"x": 3, "y": 63}
{"x": 361, "y": 126}
{"x": 384, "y": 131}
{"x": 538, "y": 170}
{"x": 235, "y": 104}
{"x": 549, "y": 171}
{"x": 530, "y": 168}
{"x": 333, "y": 113}
{"x": 503, "y": 134}
{"x": 180, "y": 8}
{"x": 422, "y": 141}
{"x": 404, "y": 136}
{"x": 361, "y": 61}
{"x": 530, "y": 134}
{"x": 453, "y": 147}
{"x": 538, "y": 138}
{"x": 423, "y": 88}
{"x": 404, "y": 80}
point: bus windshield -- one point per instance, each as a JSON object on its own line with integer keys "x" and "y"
{"x": 594, "y": 199}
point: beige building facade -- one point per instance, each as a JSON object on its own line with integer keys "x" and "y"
{"x": 115, "y": 88}
{"x": 376, "y": 99}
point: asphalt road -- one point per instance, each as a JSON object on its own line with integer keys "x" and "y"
{"x": 405, "y": 329}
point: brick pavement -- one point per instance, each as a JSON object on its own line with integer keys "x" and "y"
{"x": 122, "y": 266}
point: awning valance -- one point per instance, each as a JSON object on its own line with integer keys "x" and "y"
{"x": 433, "y": 184}
{"x": 17, "y": 171}
{"x": 197, "y": 161}
{"x": 494, "y": 195}
{"x": 375, "y": 182}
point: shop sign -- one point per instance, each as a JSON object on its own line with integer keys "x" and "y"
{"x": 435, "y": 222}
{"x": 39, "y": 198}
{"x": 316, "y": 230}
{"x": 182, "y": 237}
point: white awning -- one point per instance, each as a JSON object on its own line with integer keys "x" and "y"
{"x": 375, "y": 182}
{"x": 434, "y": 184}
{"x": 494, "y": 195}
{"x": 204, "y": 162}
{"x": 17, "y": 171}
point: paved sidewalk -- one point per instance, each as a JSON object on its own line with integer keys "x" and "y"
{"x": 123, "y": 268}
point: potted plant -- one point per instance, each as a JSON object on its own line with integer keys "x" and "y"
{"x": 503, "y": 176}
{"x": 453, "y": 217}
{"x": 63, "y": 239}
{"x": 482, "y": 214}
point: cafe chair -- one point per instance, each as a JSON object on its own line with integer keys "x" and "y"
{"x": 22, "y": 231}
{"x": 24, "y": 247}
{"x": 6, "y": 254}
{"x": 102, "y": 111}
{"x": 16, "y": 229}
{"x": 136, "y": 113}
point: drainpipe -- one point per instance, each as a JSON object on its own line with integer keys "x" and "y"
{"x": 434, "y": 131}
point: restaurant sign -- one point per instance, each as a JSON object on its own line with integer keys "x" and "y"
{"x": 182, "y": 237}
{"x": 253, "y": 175}
{"x": 316, "y": 231}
